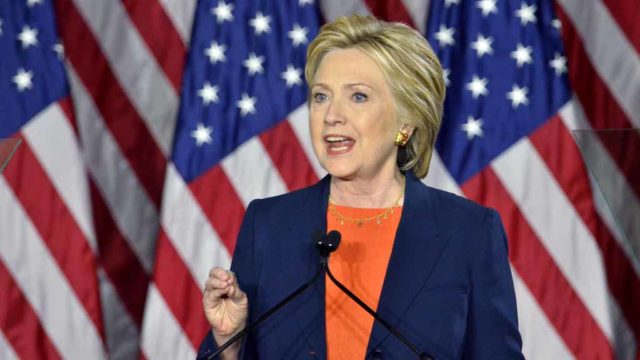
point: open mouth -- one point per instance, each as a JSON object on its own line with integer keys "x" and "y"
{"x": 338, "y": 144}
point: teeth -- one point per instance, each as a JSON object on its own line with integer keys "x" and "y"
{"x": 336, "y": 138}
{"x": 341, "y": 148}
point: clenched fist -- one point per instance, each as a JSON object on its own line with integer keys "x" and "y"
{"x": 226, "y": 307}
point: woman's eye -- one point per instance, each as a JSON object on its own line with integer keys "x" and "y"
{"x": 319, "y": 97}
{"x": 359, "y": 97}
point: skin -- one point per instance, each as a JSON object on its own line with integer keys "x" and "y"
{"x": 351, "y": 99}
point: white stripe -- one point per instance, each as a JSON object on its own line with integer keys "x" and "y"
{"x": 332, "y": 9}
{"x": 53, "y": 141}
{"x": 299, "y": 121}
{"x": 568, "y": 241}
{"x": 162, "y": 336}
{"x": 137, "y": 71}
{"x": 6, "y": 351}
{"x": 613, "y": 57}
{"x": 540, "y": 339}
{"x": 621, "y": 202}
{"x": 189, "y": 230}
{"x": 418, "y": 10}
{"x": 121, "y": 332}
{"x": 252, "y": 173}
{"x": 181, "y": 13}
{"x": 439, "y": 177}
{"x": 131, "y": 209}
{"x": 43, "y": 284}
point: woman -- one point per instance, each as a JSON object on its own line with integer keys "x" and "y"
{"x": 433, "y": 264}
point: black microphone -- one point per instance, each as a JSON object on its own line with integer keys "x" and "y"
{"x": 330, "y": 244}
{"x": 325, "y": 245}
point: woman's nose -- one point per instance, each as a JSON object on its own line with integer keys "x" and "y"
{"x": 334, "y": 114}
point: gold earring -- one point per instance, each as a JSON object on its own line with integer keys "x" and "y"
{"x": 402, "y": 137}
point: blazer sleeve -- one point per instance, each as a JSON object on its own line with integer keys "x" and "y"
{"x": 245, "y": 265}
{"x": 493, "y": 320}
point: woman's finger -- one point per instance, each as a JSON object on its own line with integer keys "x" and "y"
{"x": 214, "y": 283}
{"x": 215, "y": 295}
{"x": 219, "y": 273}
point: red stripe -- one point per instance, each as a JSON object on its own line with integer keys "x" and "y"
{"x": 179, "y": 291}
{"x": 118, "y": 260}
{"x": 560, "y": 153}
{"x": 161, "y": 37}
{"x": 625, "y": 13}
{"x": 120, "y": 116}
{"x": 120, "y": 263}
{"x": 390, "y": 10}
{"x": 66, "y": 105}
{"x": 220, "y": 203}
{"x": 57, "y": 228}
{"x": 288, "y": 156}
{"x": 539, "y": 272}
{"x": 20, "y": 324}
{"x": 600, "y": 107}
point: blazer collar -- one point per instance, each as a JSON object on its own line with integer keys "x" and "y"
{"x": 418, "y": 244}
{"x": 311, "y": 217}
{"x": 417, "y": 247}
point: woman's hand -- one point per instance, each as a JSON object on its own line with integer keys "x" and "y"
{"x": 225, "y": 305}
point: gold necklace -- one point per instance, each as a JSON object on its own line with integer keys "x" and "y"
{"x": 360, "y": 221}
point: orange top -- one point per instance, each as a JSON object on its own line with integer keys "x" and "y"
{"x": 360, "y": 264}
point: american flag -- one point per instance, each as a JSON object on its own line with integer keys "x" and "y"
{"x": 149, "y": 125}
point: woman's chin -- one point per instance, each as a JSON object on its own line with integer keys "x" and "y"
{"x": 342, "y": 171}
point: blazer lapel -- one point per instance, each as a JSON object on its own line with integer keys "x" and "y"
{"x": 311, "y": 217}
{"x": 417, "y": 247}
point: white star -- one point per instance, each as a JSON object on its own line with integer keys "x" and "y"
{"x": 31, "y": 3}
{"x": 305, "y": 2}
{"x": 202, "y": 134}
{"x": 58, "y": 48}
{"x": 526, "y": 13}
{"x": 448, "y": 3}
{"x": 23, "y": 80}
{"x": 445, "y": 36}
{"x": 487, "y": 7}
{"x": 208, "y": 93}
{"x": 28, "y": 37}
{"x": 298, "y": 35}
{"x": 254, "y": 64}
{"x": 482, "y": 45}
{"x": 522, "y": 55}
{"x": 559, "y": 64}
{"x": 223, "y": 12}
{"x": 292, "y": 76}
{"x": 445, "y": 74}
{"x": 247, "y": 105}
{"x": 215, "y": 52}
{"x": 260, "y": 23}
{"x": 556, "y": 24}
{"x": 478, "y": 86}
{"x": 473, "y": 127}
{"x": 518, "y": 96}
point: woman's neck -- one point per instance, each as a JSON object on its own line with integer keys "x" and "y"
{"x": 380, "y": 191}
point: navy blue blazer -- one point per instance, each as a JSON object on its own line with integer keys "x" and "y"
{"x": 448, "y": 286}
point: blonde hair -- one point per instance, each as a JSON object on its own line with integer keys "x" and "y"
{"x": 410, "y": 67}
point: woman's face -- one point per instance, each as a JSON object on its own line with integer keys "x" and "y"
{"x": 352, "y": 116}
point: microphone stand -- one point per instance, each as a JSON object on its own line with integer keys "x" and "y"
{"x": 326, "y": 244}
{"x": 266, "y": 315}
{"x": 421, "y": 355}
